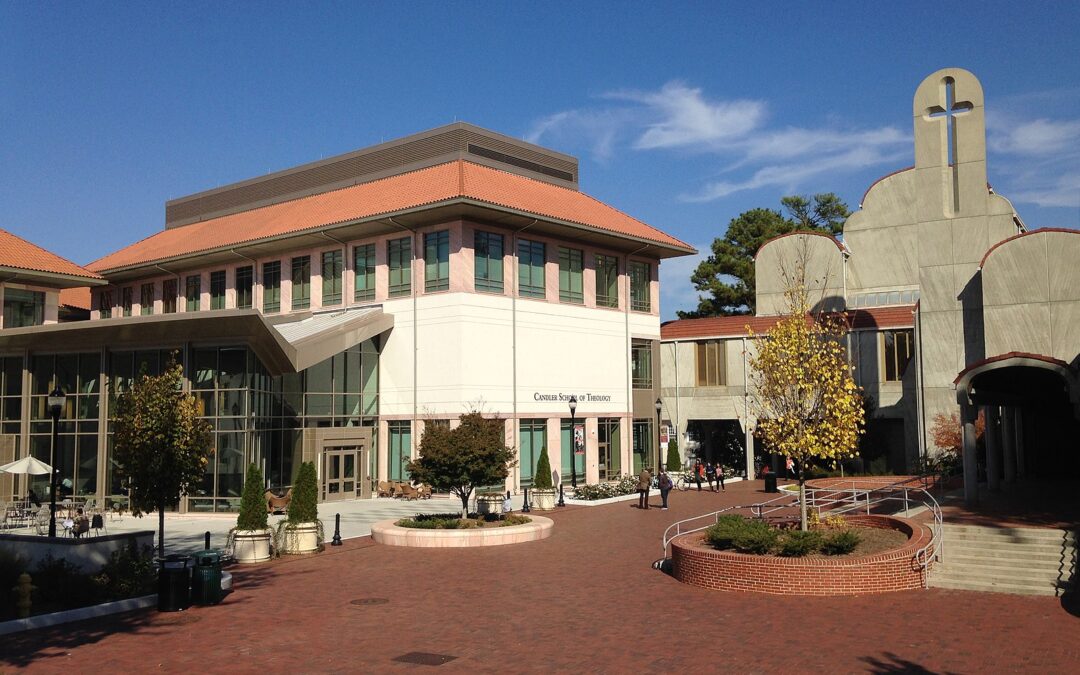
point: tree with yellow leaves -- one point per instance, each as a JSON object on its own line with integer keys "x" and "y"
{"x": 801, "y": 386}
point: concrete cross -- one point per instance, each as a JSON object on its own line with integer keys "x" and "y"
{"x": 948, "y": 113}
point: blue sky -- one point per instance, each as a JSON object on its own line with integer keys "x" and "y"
{"x": 683, "y": 114}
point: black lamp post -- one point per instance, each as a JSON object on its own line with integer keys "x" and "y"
{"x": 56, "y": 406}
{"x": 658, "y": 449}
{"x": 573, "y": 443}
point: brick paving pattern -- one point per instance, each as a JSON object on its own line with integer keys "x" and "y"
{"x": 584, "y": 600}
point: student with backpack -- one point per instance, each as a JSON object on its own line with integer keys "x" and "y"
{"x": 665, "y": 484}
{"x": 710, "y": 475}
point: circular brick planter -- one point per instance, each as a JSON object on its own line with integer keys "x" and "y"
{"x": 386, "y": 532}
{"x": 696, "y": 563}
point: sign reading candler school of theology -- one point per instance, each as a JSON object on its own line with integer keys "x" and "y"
{"x": 600, "y": 398}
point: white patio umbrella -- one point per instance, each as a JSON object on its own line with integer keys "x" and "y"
{"x": 27, "y": 465}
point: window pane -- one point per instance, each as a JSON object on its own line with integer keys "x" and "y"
{"x": 27, "y": 308}
{"x": 399, "y": 261}
{"x": 168, "y": 296}
{"x": 364, "y": 264}
{"x": 640, "y": 300}
{"x": 607, "y": 281}
{"x": 437, "y": 261}
{"x": 570, "y": 275}
{"x": 489, "y": 262}
{"x": 217, "y": 289}
{"x": 192, "y": 291}
{"x": 245, "y": 281}
{"x": 301, "y": 282}
{"x": 272, "y": 286}
{"x": 127, "y": 298}
{"x": 146, "y": 299}
{"x": 331, "y": 278}
{"x": 641, "y": 364}
{"x": 531, "y": 258}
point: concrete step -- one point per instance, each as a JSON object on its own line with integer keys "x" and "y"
{"x": 1030, "y": 547}
{"x": 991, "y": 587}
{"x": 1006, "y": 559}
{"x": 1011, "y": 534}
{"x": 1004, "y": 575}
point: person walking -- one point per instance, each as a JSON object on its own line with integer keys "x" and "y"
{"x": 643, "y": 485}
{"x": 698, "y": 469}
{"x": 720, "y": 476}
{"x": 790, "y": 466}
{"x": 665, "y": 487}
{"x": 710, "y": 475}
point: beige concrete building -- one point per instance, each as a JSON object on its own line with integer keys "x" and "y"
{"x": 957, "y": 308}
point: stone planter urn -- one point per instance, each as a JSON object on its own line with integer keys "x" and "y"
{"x": 543, "y": 499}
{"x": 489, "y": 502}
{"x": 300, "y": 539}
{"x": 251, "y": 546}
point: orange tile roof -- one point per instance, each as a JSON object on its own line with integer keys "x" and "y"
{"x": 76, "y": 297}
{"x": 735, "y": 326}
{"x": 18, "y": 253}
{"x": 444, "y": 182}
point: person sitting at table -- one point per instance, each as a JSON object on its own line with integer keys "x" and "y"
{"x": 32, "y": 498}
{"x": 81, "y": 524}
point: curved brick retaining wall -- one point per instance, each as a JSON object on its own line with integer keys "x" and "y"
{"x": 698, "y": 564}
{"x": 386, "y": 532}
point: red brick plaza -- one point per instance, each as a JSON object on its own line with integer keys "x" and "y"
{"x": 586, "y": 600}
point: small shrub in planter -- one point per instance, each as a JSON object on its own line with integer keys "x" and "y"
{"x": 840, "y": 542}
{"x": 796, "y": 543}
{"x": 302, "y": 531}
{"x": 723, "y": 533}
{"x": 755, "y": 537}
{"x": 252, "y": 514}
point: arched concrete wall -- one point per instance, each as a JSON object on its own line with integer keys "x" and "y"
{"x": 780, "y": 258}
{"x": 1031, "y": 295}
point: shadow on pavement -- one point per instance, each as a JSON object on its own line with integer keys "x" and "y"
{"x": 891, "y": 663}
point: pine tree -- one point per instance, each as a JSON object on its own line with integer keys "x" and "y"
{"x": 252, "y": 514}
{"x": 542, "y": 477}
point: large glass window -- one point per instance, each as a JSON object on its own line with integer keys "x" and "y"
{"x": 488, "y": 262}
{"x": 533, "y": 442}
{"x": 364, "y": 266}
{"x": 898, "y": 348}
{"x": 437, "y": 261}
{"x": 641, "y": 364}
{"x": 531, "y": 259}
{"x": 27, "y": 308}
{"x": 570, "y": 270}
{"x": 192, "y": 291}
{"x": 146, "y": 299}
{"x": 217, "y": 289}
{"x": 640, "y": 294}
{"x": 127, "y": 299}
{"x": 399, "y": 262}
{"x": 609, "y": 451}
{"x": 711, "y": 370}
{"x": 566, "y": 442}
{"x": 644, "y": 444}
{"x": 168, "y": 296}
{"x": 272, "y": 286}
{"x": 104, "y": 304}
{"x": 76, "y": 450}
{"x": 245, "y": 283}
{"x": 400, "y": 442}
{"x": 607, "y": 281}
{"x": 301, "y": 282}
{"x": 331, "y": 278}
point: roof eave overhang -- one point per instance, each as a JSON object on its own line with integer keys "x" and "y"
{"x": 665, "y": 250}
{"x": 53, "y": 279}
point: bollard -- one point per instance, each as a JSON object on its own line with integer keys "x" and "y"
{"x": 561, "y": 501}
{"x": 22, "y": 591}
{"x": 525, "y": 506}
{"x": 206, "y": 541}
{"x": 337, "y": 530}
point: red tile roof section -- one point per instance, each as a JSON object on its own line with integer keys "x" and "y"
{"x": 990, "y": 250}
{"x": 18, "y": 253}
{"x": 1009, "y": 356}
{"x": 76, "y": 297}
{"x": 450, "y": 181}
{"x": 736, "y": 326}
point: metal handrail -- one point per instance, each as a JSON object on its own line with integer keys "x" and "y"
{"x": 837, "y": 500}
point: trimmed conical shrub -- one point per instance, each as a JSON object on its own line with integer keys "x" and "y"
{"x": 304, "y": 507}
{"x": 542, "y": 477}
{"x": 674, "y": 461}
{"x": 252, "y": 514}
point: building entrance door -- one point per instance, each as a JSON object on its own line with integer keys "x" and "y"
{"x": 340, "y": 472}
{"x": 603, "y": 459}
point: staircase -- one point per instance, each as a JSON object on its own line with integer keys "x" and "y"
{"x": 1024, "y": 561}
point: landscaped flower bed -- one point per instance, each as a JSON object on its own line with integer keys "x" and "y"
{"x": 626, "y": 485}
{"x": 887, "y": 565}
{"x": 453, "y": 521}
{"x": 465, "y": 533}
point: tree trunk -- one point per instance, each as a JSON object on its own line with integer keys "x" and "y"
{"x": 802, "y": 503}
{"x": 161, "y": 529}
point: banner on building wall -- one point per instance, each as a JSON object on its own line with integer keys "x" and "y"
{"x": 579, "y": 439}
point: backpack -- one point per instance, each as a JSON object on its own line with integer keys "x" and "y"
{"x": 665, "y": 482}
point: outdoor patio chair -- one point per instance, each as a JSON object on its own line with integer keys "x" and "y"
{"x": 97, "y": 524}
{"x": 384, "y": 489}
{"x": 278, "y": 505}
{"x": 409, "y": 492}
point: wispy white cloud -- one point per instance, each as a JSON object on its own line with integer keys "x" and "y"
{"x": 1037, "y": 137}
{"x": 1037, "y": 160}
{"x": 679, "y": 117}
{"x": 1063, "y": 191}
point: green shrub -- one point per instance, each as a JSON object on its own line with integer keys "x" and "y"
{"x": 840, "y": 542}
{"x": 542, "y": 477}
{"x": 304, "y": 507}
{"x": 60, "y": 582}
{"x": 722, "y": 534}
{"x": 627, "y": 485}
{"x": 128, "y": 574}
{"x": 755, "y": 537}
{"x": 252, "y": 503}
{"x": 514, "y": 519}
{"x": 796, "y": 543}
{"x": 674, "y": 461}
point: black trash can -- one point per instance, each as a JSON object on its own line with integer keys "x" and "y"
{"x": 174, "y": 577}
{"x": 770, "y": 483}
{"x": 206, "y": 578}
